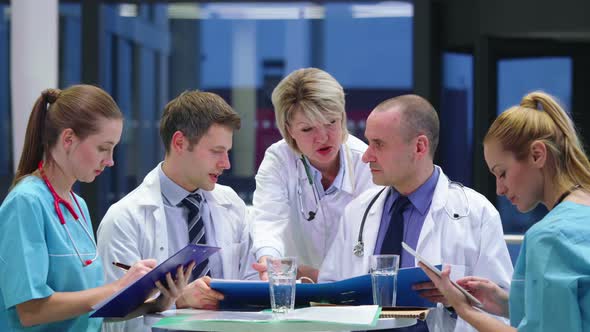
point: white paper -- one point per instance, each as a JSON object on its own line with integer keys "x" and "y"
{"x": 353, "y": 315}
{"x": 362, "y": 315}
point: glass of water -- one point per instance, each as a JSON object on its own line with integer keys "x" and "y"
{"x": 282, "y": 274}
{"x": 384, "y": 270}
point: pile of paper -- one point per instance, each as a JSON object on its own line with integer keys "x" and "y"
{"x": 360, "y": 316}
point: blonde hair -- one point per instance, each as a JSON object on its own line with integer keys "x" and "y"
{"x": 313, "y": 92}
{"x": 540, "y": 118}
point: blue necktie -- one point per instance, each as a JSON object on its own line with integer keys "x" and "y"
{"x": 196, "y": 231}
{"x": 392, "y": 243}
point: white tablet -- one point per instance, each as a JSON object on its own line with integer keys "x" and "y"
{"x": 434, "y": 269}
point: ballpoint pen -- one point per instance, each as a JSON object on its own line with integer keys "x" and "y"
{"x": 122, "y": 266}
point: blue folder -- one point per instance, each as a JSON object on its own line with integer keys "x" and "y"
{"x": 406, "y": 296}
{"x": 255, "y": 295}
{"x": 132, "y": 296}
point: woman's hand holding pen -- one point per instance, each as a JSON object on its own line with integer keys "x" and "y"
{"x": 138, "y": 270}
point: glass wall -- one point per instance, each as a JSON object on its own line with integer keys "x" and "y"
{"x": 456, "y": 117}
{"x": 151, "y": 53}
{"x": 243, "y": 50}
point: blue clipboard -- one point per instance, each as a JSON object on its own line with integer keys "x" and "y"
{"x": 406, "y": 296}
{"x": 129, "y": 298}
{"x": 255, "y": 295}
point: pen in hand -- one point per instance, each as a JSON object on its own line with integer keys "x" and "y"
{"x": 122, "y": 266}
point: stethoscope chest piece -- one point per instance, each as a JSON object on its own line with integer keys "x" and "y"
{"x": 359, "y": 249}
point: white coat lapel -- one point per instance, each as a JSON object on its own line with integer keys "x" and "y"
{"x": 154, "y": 212}
{"x": 429, "y": 243}
{"x": 220, "y": 218}
{"x": 373, "y": 223}
{"x": 348, "y": 184}
{"x": 301, "y": 174}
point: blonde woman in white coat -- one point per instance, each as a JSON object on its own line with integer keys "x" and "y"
{"x": 306, "y": 179}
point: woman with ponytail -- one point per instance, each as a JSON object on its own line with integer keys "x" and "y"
{"x": 50, "y": 276}
{"x": 536, "y": 156}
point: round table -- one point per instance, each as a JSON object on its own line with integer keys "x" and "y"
{"x": 227, "y": 326}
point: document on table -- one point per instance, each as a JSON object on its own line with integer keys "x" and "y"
{"x": 363, "y": 316}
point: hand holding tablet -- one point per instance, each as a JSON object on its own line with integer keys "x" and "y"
{"x": 434, "y": 269}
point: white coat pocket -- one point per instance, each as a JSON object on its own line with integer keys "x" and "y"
{"x": 237, "y": 258}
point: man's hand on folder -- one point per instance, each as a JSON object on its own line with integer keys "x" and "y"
{"x": 304, "y": 271}
{"x": 199, "y": 295}
{"x": 308, "y": 272}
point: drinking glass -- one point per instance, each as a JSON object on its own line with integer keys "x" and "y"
{"x": 282, "y": 274}
{"x": 384, "y": 270}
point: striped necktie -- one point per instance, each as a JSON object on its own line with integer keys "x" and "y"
{"x": 196, "y": 230}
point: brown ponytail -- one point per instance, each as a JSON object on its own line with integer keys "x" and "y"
{"x": 77, "y": 107}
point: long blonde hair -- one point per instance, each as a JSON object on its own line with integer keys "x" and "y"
{"x": 540, "y": 118}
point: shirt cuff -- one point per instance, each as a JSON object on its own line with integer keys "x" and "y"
{"x": 267, "y": 251}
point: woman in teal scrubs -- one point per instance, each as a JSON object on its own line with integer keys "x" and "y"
{"x": 50, "y": 276}
{"x": 535, "y": 154}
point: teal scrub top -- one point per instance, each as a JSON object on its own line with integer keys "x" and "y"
{"x": 37, "y": 258}
{"x": 550, "y": 289}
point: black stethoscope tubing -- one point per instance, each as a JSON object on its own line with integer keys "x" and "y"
{"x": 359, "y": 248}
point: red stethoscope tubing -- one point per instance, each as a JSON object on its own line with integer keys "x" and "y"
{"x": 57, "y": 200}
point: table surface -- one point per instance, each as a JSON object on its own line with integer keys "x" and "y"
{"x": 287, "y": 326}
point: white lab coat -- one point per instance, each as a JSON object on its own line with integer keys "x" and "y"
{"x": 473, "y": 245}
{"x": 278, "y": 222}
{"x": 134, "y": 228}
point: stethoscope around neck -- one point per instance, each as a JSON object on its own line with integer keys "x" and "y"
{"x": 310, "y": 214}
{"x": 57, "y": 200}
{"x": 359, "y": 248}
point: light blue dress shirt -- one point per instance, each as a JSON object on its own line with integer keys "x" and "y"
{"x": 177, "y": 225}
{"x": 414, "y": 216}
{"x": 338, "y": 180}
{"x": 550, "y": 288}
{"x": 37, "y": 258}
